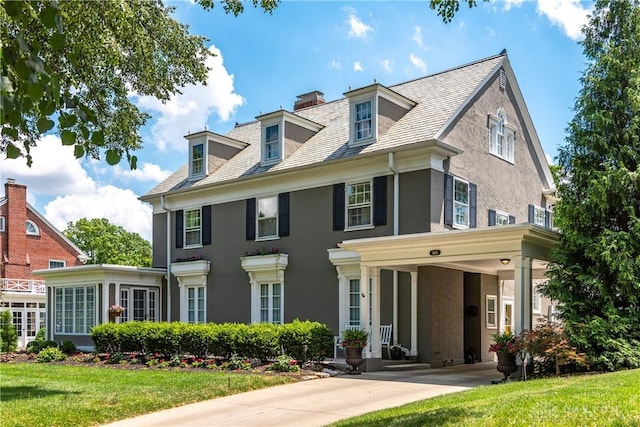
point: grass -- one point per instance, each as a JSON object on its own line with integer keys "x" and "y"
{"x": 587, "y": 400}
{"x": 55, "y": 395}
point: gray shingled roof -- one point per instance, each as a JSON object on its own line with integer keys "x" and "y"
{"x": 438, "y": 97}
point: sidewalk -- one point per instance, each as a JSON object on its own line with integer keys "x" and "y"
{"x": 322, "y": 401}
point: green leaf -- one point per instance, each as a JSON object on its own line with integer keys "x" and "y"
{"x": 57, "y": 41}
{"x": 12, "y": 151}
{"x": 44, "y": 124}
{"x": 47, "y": 107}
{"x": 35, "y": 92}
{"x": 13, "y": 8}
{"x": 48, "y": 17}
{"x": 98, "y": 138}
{"x": 78, "y": 151}
{"x": 113, "y": 157}
{"x": 10, "y": 132}
{"x": 68, "y": 137}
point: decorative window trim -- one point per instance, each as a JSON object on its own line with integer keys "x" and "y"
{"x": 55, "y": 261}
{"x": 191, "y": 274}
{"x": 267, "y": 124}
{"x": 363, "y": 205}
{"x": 459, "y": 204}
{"x": 32, "y": 228}
{"x": 265, "y": 269}
{"x": 353, "y": 105}
{"x": 61, "y": 312}
{"x": 276, "y": 216}
{"x": 190, "y": 229}
{"x": 502, "y": 136}
{"x": 494, "y": 312}
{"x": 202, "y": 170}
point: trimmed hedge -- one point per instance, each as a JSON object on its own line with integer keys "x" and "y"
{"x": 305, "y": 341}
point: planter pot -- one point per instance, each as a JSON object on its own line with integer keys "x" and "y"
{"x": 506, "y": 364}
{"x": 397, "y": 354}
{"x": 353, "y": 355}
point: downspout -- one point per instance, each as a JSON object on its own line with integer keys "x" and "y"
{"x": 162, "y": 205}
{"x": 396, "y": 227}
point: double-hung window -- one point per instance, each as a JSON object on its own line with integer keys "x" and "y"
{"x": 363, "y": 121}
{"x": 195, "y": 304}
{"x": 501, "y": 136}
{"x": 192, "y": 227}
{"x": 197, "y": 160}
{"x": 536, "y": 300}
{"x": 267, "y": 217}
{"x": 271, "y": 306}
{"x": 491, "y": 320}
{"x": 460, "y": 203}
{"x": 354, "y": 302}
{"x": 359, "y": 204}
{"x": 272, "y": 142}
{"x": 539, "y": 216}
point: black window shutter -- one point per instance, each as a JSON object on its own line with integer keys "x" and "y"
{"x": 448, "y": 199}
{"x": 338, "y": 206}
{"x": 283, "y": 214}
{"x": 512, "y": 219}
{"x": 532, "y": 214}
{"x": 206, "y": 225}
{"x": 179, "y": 229}
{"x": 251, "y": 219}
{"x": 492, "y": 217}
{"x": 547, "y": 219}
{"x": 473, "y": 205}
{"x": 380, "y": 200}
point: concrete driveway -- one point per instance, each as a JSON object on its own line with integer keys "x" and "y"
{"x": 322, "y": 401}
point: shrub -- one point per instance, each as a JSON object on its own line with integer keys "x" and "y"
{"x": 259, "y": 340}
{"x": 105, "y": 337}
{"x": 164, "y": 338}
{"x": 551, "y": 349}
{"x": 198, "y": 339}
{"x": 237, "y": 363}
{"x": 285, "y": 363}
{"x": 35, "y": 346}
{"x": 51, "y": 354}
{"x": 68, "y": 347}
{"x": 8, "y": 334}
{"x": 306, "y": 341}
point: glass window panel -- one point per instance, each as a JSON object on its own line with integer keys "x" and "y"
{"x": 197, "y": 159}
{"x": 272, "y": 142}
{"x": 192, "y": 227}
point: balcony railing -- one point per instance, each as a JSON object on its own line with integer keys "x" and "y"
{"x": 23, "y": 285}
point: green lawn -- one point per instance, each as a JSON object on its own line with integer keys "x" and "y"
{"x": 588, "y": 400}
{"x": 55, "y": 395}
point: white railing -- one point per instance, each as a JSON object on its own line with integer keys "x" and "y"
{"x": 23, "y": 285}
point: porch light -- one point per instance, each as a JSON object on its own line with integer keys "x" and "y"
{"x": 505, "y": 261}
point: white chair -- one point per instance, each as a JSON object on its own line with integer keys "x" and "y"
{"x": 385, "y": 337}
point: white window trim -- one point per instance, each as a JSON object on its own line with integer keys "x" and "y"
{"x": 504, "y": 215}
{"x": 494, "y": 325}
{"x": 536, "y": 296}
{"x": 35, "y": 226}
{"x": 373, "y": 98}
{"x": 265, "y": 269}
{"x": 453, "y": 198}
{"x": 263, "y": 142}
{"x": 75, "y": 326}
{"x": 184, "y": 231}
{"x": 270, "y": 309}
{"x": 64, "y": 263}
{"x": 346, "y": 207}
{"x": 205, "y": 163}
{"x": 509, "y": 137}
{"x": 536, "y": 210}
{"x": 197, "y": 307}
{"x": 277, "y": 216}
{"x": 2, "y": 225}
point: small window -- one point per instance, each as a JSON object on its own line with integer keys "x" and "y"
{"x": 363, "y": 121}
{"x": 272, "y": 143}
{"x": 197, "y": 160}
{"x": 491, "y": 312}
{"x": 460, "y": 203}
{"x": 359, "y": 204}
{"x": 539, "y": 216}
{"x": 536, "y": 300}
{"x": 501, "y": 136}
{"x": 502, "y": 218}
{"x": 32, "y": 228}
{"x": 192, "y": 227}
{"x": 54, "y": 263}
{"x": 267, "y": 217}
{"x": 1, "y": 223}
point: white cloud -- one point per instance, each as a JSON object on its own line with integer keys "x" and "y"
{"x": 357, "y": 66}
{"x": 417, "y": 36}
{"x": 569, "y": 15}
{"x": 357, "y": 28}
{"x": 418, "y": 63}
{"x": 508, "y": 4}
{"x": 190, "y": 111}
{"x": 121, "y": 207}
{"x": 149, "y": 172}
{"x": 387, "y": 65}
{"x": 335, "y": 64}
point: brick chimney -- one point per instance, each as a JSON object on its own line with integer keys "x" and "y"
{"x": 15, "y": 223}
{"x": 308, "y": 100}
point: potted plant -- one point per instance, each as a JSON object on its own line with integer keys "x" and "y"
{"x": 396, "y": 352}
{"x": 353, "y": 341}
{"x": 506, "y": 347}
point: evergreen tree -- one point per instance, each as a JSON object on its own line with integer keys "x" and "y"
{"x": 8, "y": 334}
{"x": 596, "y": 273}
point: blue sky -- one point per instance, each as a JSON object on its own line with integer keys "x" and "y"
{"x": 264, "y": 61}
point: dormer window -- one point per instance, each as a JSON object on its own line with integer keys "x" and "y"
{"x": 501, "y": 136}
{"x": 197, "y": 162}
{"x": 363, "y": 121}
{"x": 272, "y": 143}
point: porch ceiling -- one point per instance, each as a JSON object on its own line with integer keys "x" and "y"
{"x": 475, "y": 250}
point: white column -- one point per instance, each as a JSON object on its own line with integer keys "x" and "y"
{"x": 343, "y": 297}
{"x": 413, "y": 351}
{"x": 523, "y": 291}
{"x": 116, "y": 297}
{"x": 364, "y": 305}
{"x": 105, "y": 302}
{"x": 375, "y": 313}
{"x": 395, "y": 307}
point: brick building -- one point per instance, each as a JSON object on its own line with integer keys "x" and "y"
{"x": 28, "y": 242}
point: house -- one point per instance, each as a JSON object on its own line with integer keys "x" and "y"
{"x": 28, "y": 242}
{"x": 425, "y": 205}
